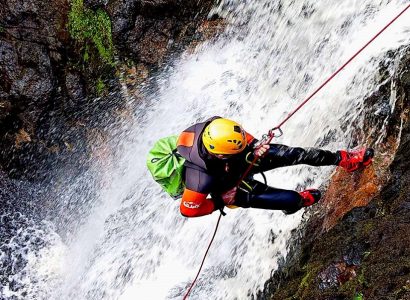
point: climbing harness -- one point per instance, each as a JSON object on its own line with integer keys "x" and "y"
{"x": 277, "y": 131}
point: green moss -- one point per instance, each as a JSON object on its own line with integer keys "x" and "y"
{"x": 304, "y": 283}
{"x": 361, "y": 279}
{"x": 100, "y": 87}
{"x": 1, "y": 29}
{"x": 308, "y": 278}
{"x": 86, "y": 55}
{"x": 358, "y": 296}
{"x": 91, "y": 28}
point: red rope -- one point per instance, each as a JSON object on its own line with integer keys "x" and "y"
{"x": 203, "y": 260}
{"x": 341, "y": 68}
{"x": 271, "y": 134}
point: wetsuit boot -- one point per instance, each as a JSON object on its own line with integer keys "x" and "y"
{"x": 353, "y": 160}
{"x": 309, "y": 197}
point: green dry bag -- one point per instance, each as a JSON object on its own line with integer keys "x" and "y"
{"x": 166, "y": 165}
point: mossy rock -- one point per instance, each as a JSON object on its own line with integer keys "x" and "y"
{"x": 91, "y": 29}
{"x": 100, "y": 87}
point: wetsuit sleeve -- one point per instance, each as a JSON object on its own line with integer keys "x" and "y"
{"x": 195, "y": 204}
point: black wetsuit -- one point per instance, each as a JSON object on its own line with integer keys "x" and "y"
{"x": 263, "y": 196}
{"x": 206, "y": 174}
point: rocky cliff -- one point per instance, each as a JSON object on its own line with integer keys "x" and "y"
{"x": 60, "y": 58}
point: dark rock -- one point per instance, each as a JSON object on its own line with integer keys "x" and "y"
{"x": 31, "y": 30}
{"x": 122, "y": 14}
{"x": 139, "y": 25}
{"x": 404, "y": 78}
{"x": 46, "y": 87}
{"x": 8, "y": 65}
{"x": 31, "y": 85}
{"x": 335, "y": 275}
{"x": 403, "y": 208}
{"x": 95, "y": 3}
{"x": 75, "y": 87}
{"x": 35, "y": 21}
{"x": 152, "y": 47}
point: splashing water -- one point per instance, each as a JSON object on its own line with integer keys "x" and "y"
{"x": 131, "y": 242}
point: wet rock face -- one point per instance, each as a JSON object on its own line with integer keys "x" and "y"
{"x": 25, "y": 68}
{"x": 335, "y": 275}
{"x": 37, "y": 21}
{"x": 146, "y": 30}
{"x": 29, "y": 74}
{"x": 148, "y": 41}
{"x": 48, "y": 79}
{"x": 74, "y": 83}
{"x": 32, "y": 31}
{"x": 95, "y": 3}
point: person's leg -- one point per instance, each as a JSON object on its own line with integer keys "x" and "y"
{"x": 259, "y": 195}
{"x": 281, "y": 156}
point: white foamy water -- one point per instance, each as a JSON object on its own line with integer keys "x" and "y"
{"x": 132, "y": 243}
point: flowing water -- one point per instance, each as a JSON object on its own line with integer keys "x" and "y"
{"x": 112, "y": 234}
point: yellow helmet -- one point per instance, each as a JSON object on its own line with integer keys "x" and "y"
{"x": 223, "y": 136}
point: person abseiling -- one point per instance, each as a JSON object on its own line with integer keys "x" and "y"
{"x": 217, "y": 153}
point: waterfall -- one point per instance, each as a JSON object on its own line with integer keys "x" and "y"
{"x": 128, "y": 239}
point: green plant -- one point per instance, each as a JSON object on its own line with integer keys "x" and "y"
{"x": 361, "y": 279}
{"x": 91, "y": 27}
{"x": 310, "y": 271}
{"x": 99, "y": 87}
{"x": 305, "y": 281}
{"x": 358, "y": 296}
{"x": 86, "y": 55}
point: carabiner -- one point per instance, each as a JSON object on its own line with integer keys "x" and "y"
{"x": 273, "y": 134}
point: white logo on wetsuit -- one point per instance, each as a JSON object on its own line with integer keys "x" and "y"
{"x": 191, "y": 204}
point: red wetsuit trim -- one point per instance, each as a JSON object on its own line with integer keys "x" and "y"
{"x": 194, "y": 204}
{"x": 186, "y": 139}
{"x": 249, "y": 138}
